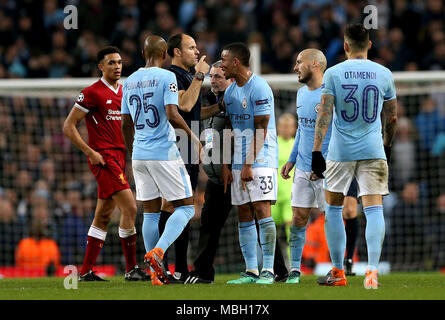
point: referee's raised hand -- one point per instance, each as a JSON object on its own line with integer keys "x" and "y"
{"x": 202, "y": 66}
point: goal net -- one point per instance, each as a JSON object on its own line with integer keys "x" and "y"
{"x": 47, "y": 190}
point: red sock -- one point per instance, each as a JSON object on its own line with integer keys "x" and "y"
{"x": 94, "y": 246}
{"x": 129, "y": 247}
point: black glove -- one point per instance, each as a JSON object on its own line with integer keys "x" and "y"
{"x": 211, "y": 98}
{"x": 387, "y": 153}
{"x": 318, "y": 164}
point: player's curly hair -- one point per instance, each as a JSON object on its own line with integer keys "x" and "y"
{"x": 104, "y": 51}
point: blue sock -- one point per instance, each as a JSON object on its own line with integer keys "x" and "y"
{"x": 374, "y": 234}
{"x": 335, "y": 234}
{"x": 268, "y": 234}
{"x": 175, "y": 225}
{"x": 248, "y": 239}
{"x": 150, "y": 230}
{"x": 297, "y": 238}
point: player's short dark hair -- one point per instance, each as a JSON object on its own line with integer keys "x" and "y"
{"x": 107, "y": 50}
{"x": 217, "y": 64}
{"x": 239, "y": 50}
{"x": 175, "y": 41}
{"x": 357, "y": 35}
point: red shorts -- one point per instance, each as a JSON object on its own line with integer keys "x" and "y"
{"x": 110, "y": 178}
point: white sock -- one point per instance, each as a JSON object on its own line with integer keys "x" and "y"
{"x": 125, "y": 233}
{"x": 97, "y": 233}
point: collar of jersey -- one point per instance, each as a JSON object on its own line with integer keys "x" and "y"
{"x": 174, "y": 66}
{"x": 250, "y": 79}
{"x": 116, "y": 91}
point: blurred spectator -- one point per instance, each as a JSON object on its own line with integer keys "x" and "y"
{"x": 39, "y": 249}
{"x": 61, "y": 63}
{"x": 436, "y": 59}
{"x": 439, "y": 144}
{"x": 306, "y": 8}
{"x": 97, "y": 17}
{"x": 429, "y": 123}
{"x": 127, "y": 28}
{"x": 52, "y": 15}
{"x": 405, "y": 155}
{"x": 403, "y": 16}
{"x": 402, "y": 54}
{"x": 11, "y": 231}
{"x": 408, "y": 225}
{"x": 437, "y": 233}
{"x": 6, "y": 29}
{"x": 75, "y": 227}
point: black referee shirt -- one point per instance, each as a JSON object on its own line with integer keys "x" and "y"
{"x": 184, "y": 80}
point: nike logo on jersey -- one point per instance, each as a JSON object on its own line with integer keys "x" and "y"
{"x": 109, "y": 101}
{"x": 266, "y": 192}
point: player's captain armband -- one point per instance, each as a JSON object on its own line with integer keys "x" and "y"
{"x": 260, "y": 102}
{"x": 262, "y": 106}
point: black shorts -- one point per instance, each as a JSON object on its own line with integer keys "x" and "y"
{"x": 353, "y": 192}
{"x": 193, "y": 171}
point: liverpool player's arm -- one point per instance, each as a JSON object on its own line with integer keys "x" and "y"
{"x": 128, "y": 132}
{"x": 70, "y": 131}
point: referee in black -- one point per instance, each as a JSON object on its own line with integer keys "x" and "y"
{"x": 190, "y": 72}
{"x": 217, "y": 204}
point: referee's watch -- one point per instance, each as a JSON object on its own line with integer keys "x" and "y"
{"x": 200, "y": 76}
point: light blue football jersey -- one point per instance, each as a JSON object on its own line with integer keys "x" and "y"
{"x": 145, "y": 94}
{"x": 255, "y": 98}
{"x": 360, "y": 87}
{"x": 308, "y": 104}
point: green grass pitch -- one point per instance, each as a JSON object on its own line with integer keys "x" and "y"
{"x": 394, "y": 286}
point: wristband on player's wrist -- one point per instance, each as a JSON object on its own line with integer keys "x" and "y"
{"x": 200, "y": 76}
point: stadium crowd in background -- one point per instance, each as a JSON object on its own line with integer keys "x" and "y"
{"x": 410, "y": 35}
{"x": 41, "y": 169}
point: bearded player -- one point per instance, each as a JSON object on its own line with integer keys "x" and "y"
{"x": 100, "y": 106}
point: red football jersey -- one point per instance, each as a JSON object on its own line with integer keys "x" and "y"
{"x": 102, "y": 103}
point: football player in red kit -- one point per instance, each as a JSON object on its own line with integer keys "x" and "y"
{"x": 100, "y": 106}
